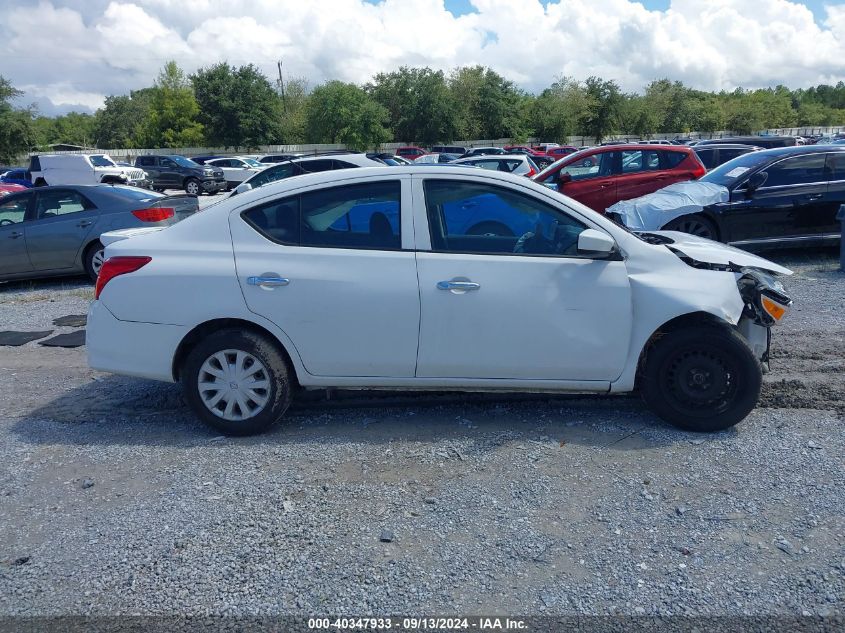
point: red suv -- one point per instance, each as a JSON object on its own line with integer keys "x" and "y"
{"x": 410, "y": 152}
{"x": 602, "y": 176}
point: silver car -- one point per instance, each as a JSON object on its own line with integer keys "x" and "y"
{"x": 53, "y": 231}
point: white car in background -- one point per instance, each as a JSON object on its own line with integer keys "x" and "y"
{"x": 378, "y": 278}
{"x": 237, "y": 169}
{"x": 517, "y": 164}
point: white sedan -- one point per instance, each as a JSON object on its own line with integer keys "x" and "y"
{"x": 237, "y": 169}
{"x": 517, "y": 164}
{"x": 392, "y": 278}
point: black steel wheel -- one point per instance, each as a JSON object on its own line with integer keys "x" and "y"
{"x": 703, "y": 378}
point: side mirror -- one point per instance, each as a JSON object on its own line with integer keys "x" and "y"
{"x": 242, "y": 188}
{"x": 595, "y": 242}
{"x": 756, "y": 181}
{"x": 564, "y": 178}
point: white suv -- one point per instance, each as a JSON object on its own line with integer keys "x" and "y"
{"x": 387, "y": 278}
{"x": 82, "y": 169}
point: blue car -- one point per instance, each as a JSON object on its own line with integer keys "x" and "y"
{"x": 16, "y": 177}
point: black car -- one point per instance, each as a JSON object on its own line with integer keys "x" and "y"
{"x": 712, "y": 156}
{"x": 483, "y": 151}
{"x": 767, "y": 142}
{"x": 778, "y": 197}
{"x": 178, "y": 172}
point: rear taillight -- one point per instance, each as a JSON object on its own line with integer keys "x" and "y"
{"x": 115, "y": 266}
{"x": 530, "y": 173}
{"x": 156, "y": 214}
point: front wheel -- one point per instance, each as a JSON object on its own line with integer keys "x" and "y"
{"x": 701, "y": 379}
{"x": 696, "y": 225}
{"x": 193, "y": 187}
{"x": 237, "y": 382}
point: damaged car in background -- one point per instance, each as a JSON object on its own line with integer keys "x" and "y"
{"x": 379, "y": 278}
{"x": 778, "y": 197}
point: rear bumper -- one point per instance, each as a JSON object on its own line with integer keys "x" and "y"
{"x": 145, "y": 350}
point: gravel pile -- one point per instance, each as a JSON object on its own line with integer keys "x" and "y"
{"x": 114, "y": 499}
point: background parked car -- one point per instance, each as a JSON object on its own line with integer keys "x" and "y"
{"x": 517, "y": 164}
{"x": 9, "y": 187}
{"x": 236, "y": 169}
{"x": 177, "y": 172}
{"x": 777, "y": 197}
{"x": 556, "y": 153}
{"x": 448, "y": 149}
{"x": 274, "y": 159}
{"x": 766, "y": 142}
{"x": 388, "y": 159}
{"x": 16, "y": 177}
{"x": 429, "y": 159}
{"x": 82, "y": 169}
{"x": 307, "y": 165}
{"x": 410, "y": 152}
{"x": 201, "y": 160}
{"x": 50, "y": 231}
{"x": 712, "y": 156}
{"x": 483, "y": 151}
{"x": 601, "y": 176}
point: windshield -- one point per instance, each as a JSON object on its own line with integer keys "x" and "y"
{"x": 729, "y": 173}
{"x": 253, "y": 163}
{"x": 183, "y": 162}
{"x": 102, "y": 161}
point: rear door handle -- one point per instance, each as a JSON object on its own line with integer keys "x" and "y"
{"x": 813, "y": 196}
{"x": 267, "y": 281}
{"x": 15, "y": 235}
{"x": 84, "y": 223}
{"x": 458, "y": 285}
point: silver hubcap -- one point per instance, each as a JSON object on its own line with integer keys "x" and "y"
{"x": 234, "y": 385}
{"x": 193, "y": 188}
{"x": 97, "y": 261}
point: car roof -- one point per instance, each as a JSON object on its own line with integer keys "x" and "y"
{"x": 796, "y": 150}
{"x": 715, "y": 146}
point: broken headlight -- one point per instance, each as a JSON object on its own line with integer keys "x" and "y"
{"x": 766, "y": 302}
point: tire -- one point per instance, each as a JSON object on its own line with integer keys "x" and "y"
{"x": 701, "y": 379}
{"x": 490, "y": 228}
{"x": 193, "y": 187}
{"x": 93, "y": 260}
{"x": 694, "y": 225}
{"x": 266, "y": 405}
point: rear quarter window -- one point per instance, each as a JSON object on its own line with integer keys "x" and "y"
{"x": 673, "y": 159}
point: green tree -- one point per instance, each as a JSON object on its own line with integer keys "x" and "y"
{"x": 294, "y": 94}
{"x": 419, "y": 102}
{"x": 344, "y": 113}
{"x": 604, "y": 117}
{"x": 73, "y": 128}
{"x": 173, "y": 117}
{"x": 17, "y": 132}
{"x": 238, "y": 107}
{"x": 120, "y": 122}
{"x": 488, "y": 105}
{"x": 561, "y": 110}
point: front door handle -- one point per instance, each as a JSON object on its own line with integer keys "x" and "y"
{"x": 15, "y": 235}
{"x": 813, "y": 196}
{"x": 458, "y": 285}
{"x": 84, "y": 223}
{"x": 267, "y": 281}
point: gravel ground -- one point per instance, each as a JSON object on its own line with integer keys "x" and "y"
{"x": 115, "y": 500}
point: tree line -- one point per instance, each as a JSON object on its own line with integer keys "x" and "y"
{"x": 240, "y": 108}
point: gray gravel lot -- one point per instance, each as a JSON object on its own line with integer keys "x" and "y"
{"x": 115, "y": 500}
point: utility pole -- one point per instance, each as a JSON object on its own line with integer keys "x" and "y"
{"x": 282, "y": 86}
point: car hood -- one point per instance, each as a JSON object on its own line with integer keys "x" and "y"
{"x": 710, "y": 252}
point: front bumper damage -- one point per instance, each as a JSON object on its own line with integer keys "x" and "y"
{"x": 766, "y": 303}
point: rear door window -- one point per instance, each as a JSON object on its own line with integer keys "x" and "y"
{"x": 365, "y": 216}
{"x": 836, "y": 166}
{"x": 60, "y": 202}
{"x": 796, "y": 171}
{"x": 640, "y": 160}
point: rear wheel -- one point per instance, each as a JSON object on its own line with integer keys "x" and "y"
{"x": 193, "y": 187}
{"x": 237, "y": 382}
{"x": 701, "y": 379}
{"x": 93, "y": 260}
{"x": 694, "y": 225}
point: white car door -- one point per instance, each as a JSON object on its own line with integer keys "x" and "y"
{"x": 239, "y": 171}
{"x": 328, "y": 267}
{"x": 504, "y": 292}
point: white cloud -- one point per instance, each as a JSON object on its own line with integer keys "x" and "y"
{"x": 74, "y": 52}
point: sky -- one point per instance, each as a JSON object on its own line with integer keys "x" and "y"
{"x": 70, "y": 54}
